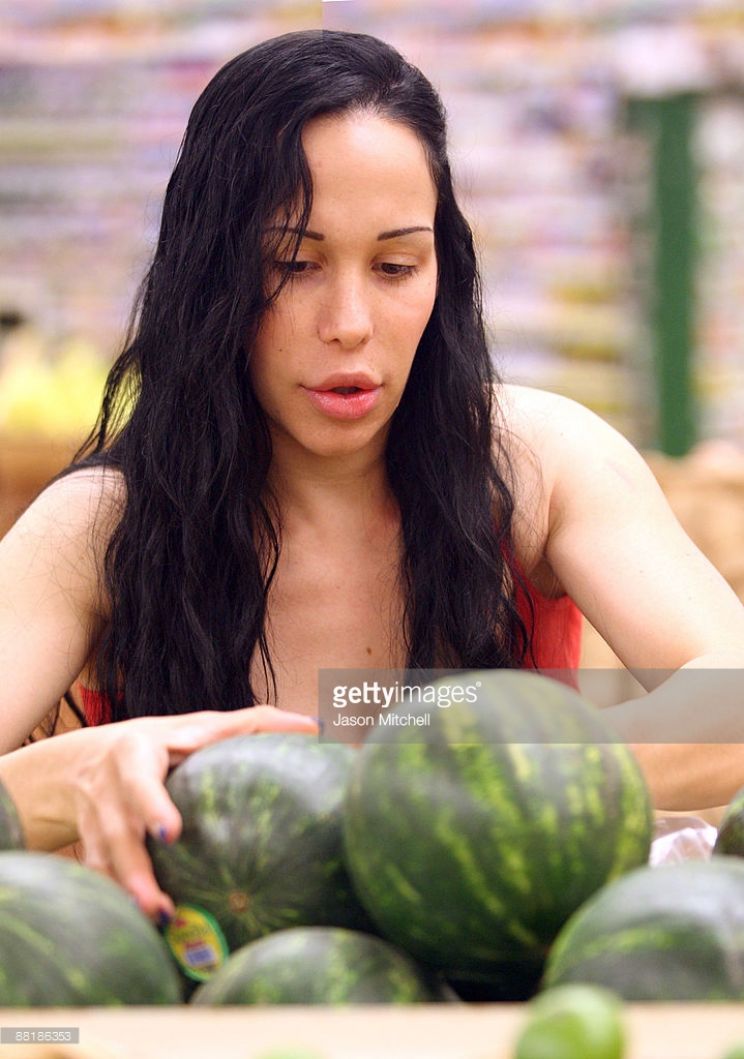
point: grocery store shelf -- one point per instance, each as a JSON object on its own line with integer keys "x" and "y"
{"x": 482, "y": 1031}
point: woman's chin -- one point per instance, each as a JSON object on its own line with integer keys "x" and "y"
{"x": 348, "y": 442}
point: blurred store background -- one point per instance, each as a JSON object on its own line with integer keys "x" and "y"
{"x": 599, "y": 151}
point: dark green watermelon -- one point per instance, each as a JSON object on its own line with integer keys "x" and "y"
{"x": 473, "y": 837}
{"x": 71, "y": 937}
{"x": 261, "y": 847}
{"x": 11, "y": 832}
{"x": 320, "y": 965}
{"x": 674, "y": 932}
{"x": 731, "y": 832}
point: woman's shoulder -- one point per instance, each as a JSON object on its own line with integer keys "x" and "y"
{"x": 558, "y": 432}
{"x": 549, "y": 440}
{"x": 86, "y": 497}
{"x": 536, "y": 417}
{"x": 65, "y": 531}
{"x": 528, "y": 429}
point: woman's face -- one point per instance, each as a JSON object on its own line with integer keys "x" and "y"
{"x": 360, "y": 294}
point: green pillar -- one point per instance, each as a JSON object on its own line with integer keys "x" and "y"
{"x": 669, "y": 121}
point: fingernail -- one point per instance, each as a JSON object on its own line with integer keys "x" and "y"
{"x": 163, "y": 917}
{"x": 321, "y": 725}
{"x": 162, "y": 833}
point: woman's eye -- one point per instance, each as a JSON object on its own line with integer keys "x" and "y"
{"x": 293, "y": 268}
{"x": 393, "y": 271}
{"x": 389, "y": 269}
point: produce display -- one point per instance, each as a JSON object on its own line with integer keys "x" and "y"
{"x": 731, "y": 832}
{"x": 320, "y": 965}
{"x": 53, "y": 394}
{"x": 473, "y": 843}
{"x": 261, "y": 846}
{"x": 573, "y": 1022}
{"x": 674, "y": 932}
{"x": 70, "y": 937}
{"x": 11, "y": 833}
{"x": 492, "y": 853}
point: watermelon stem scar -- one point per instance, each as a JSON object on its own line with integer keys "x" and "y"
{"x": 238, "y": 901}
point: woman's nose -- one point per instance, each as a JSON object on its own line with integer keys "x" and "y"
{"x": 345, "y": 315}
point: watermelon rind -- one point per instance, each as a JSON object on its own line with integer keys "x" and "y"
{"x": 261, "y": 847}
{"x": 11, "y": 831}
{"x": 72, "y": 937}
{"x": 670, "y": 933}
{"x": 473, "y": 838}
{"x": 320, "y": 965}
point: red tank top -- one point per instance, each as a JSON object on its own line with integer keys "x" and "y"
{"x": 555, "y": 643}
{"x": 555, "y": 638}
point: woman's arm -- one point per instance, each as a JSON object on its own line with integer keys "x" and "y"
{"x": 105, "y": 785}
{"x": 50, "y": 601}
{"x": 617, "y": 549}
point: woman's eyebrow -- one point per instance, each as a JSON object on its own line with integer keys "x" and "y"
{"x": 394, "y": 233}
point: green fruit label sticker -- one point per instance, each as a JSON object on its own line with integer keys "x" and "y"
{"x": 197, "y": 942}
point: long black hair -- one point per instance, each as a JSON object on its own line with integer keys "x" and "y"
{"x": 189, "y": 567}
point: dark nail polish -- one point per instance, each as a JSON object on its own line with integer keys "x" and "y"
{"x": 321, "y": 725}
{"x": 163, "y": 917}
{"x": 162, "y": 833}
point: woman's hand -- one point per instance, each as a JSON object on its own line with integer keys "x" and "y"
{"x": 120, "y": 793}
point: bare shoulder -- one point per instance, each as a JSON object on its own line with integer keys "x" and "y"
{"x": 87, "y": 499}
{"x": 567, "y": 464}
{"x": 67, "y": 528}
{"x": 566, "y": 437}
{"x": 524, "y": 418}
{"x": 52, "y": 602}
{"x": 539, "y": 417}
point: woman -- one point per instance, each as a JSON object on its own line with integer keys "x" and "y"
{"x": 318, "y": 470}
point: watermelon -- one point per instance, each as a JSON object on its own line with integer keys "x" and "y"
{"x": 261, "y": 847}
{"x": 674, "y": 932}
{"x": 473, "y": 831}
{"x": 573, "y": 1022}
{"x": 11, "y": 832}
{"x": 320, "y": 965}
{"x": 72, "y": 937}
{"x": 731, "y": 832}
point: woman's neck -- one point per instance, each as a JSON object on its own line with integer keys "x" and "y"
{"x": 317, "y": 493}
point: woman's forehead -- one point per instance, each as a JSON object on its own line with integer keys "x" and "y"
{"x": 368, "y": 169}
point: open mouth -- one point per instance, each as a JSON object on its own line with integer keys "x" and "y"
{"x": 346, "y": 389}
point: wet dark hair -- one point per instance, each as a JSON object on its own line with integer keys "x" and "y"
{"x": 189, "y": 566}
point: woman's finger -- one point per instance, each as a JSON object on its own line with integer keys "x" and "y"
{"x": 210, "y": 726}
{"x": 113, "y": 846}
{"x": 141, "y": 766}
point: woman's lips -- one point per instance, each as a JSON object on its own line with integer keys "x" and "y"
{"x": 344, "y": 405}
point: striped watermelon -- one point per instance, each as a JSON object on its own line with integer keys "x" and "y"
{"x": 261, "y": 846}
{"x": 674, "y": 932}
{"x": 731, "y": 832}
{"x": 71, "y": 937}
{"x": 472, "y": 838}
{"x": 320, "y": 965}
{"x": 11, "y": 832}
